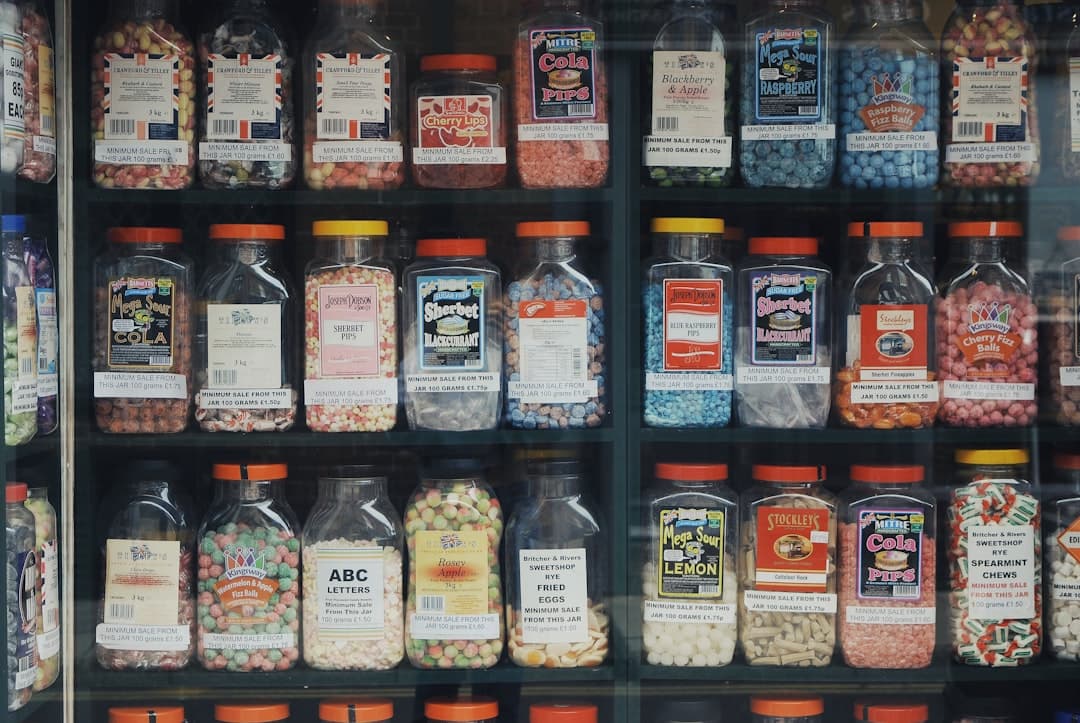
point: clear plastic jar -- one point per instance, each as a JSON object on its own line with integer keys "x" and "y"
{"x": 985, "y": 710}
{"x": 888, "y": 378}
{"x": 561, "y": 97}
{"x": 20, "y": 337}
{"x": 246, "y": 108}
{"x": 556, "y": 568}
{"x": 476, "y": 709}
{"x": 156, "y": 714}
{"x": 352, "y": 552}
{"x": 555, "y": 363}
{"x": 689, "y": 585}
{"x": 1062, "y": 346}
{"x": 354, "y": 125}
{"x": 357, "y": 710}
{"x": 787, "y": 610}
{"x": 245, "y": 378}
{"x": 689, "y": 325}
{"x": 453, "y": 336}
{"x": 350, "y": 329}
{"x": 12, "y": 125}
{"x": 562, "y": 713}
{"x": 783, "y": 358}
{"x": 988, "y": 120}
{"x": 987, "y": 338}
{"x": 143, "y": 335}
{"x": 39, "y": 265}
{"x": 453, "y": 525}
{"x": 888, "y": 546}
{"x": 458, "y": 122}
{"x": 23, "y": 597}
{"x": 38, "y": 157}
{"x": 48, "y": 616}
{"x": 149, "y": 626}
{"x": 788, "y": 103}
{"x": 141, "y": 46}
{"x": 1061, "y": 543}
{"x": 249, "y": 572}
{"x": 786, "y": 709}
{"x": 995, "y": 562}
{"x": 251, "y": 713}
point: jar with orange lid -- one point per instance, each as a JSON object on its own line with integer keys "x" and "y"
{"x": 245, "y": 334}
{"x": 461, "y": 710}
{"x": 143, "y": 332}
{"x": 890, "y": 712}
{"x": 786, "y": 709}
{"x": 1061, "y": 543}
{"x": 356, "y": 710}
{"x": 249, "y": 572}
{"x": 1062, "y": 347}
{"x": 562, "y": 713}
{"x": 787, "y": 567}
{"x": 251, "y": 713}
{"x": 887, "y": 567}
{"x": 23, "y": 596}
{"x": 453, "y": 336}
{"x": 156, "y": 714}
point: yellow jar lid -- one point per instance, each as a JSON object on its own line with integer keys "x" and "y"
{"x": 350, "y": 228}
{"x": 688, "y": 225}
{"x": 992, "y": 456}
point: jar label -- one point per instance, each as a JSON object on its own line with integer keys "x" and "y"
{"x": 243, "y": 97}
{"x": 563, "y": 67}
{"x": 25, "y": 652}
{"x": 1011, "y": 391}
{"x": 566, "y": 132}
{"x": 1076, "y": 315}
{"x": 693, "y": 329}
{"x": 996, "y": 152}
{"x": 142, "y": 582}
{"x": 452, "y": 322}
{"x": 1074, "y": 104}
{"x": 152, "y": 385}
{"x": 892, "y": 342}
{"x": 14, "y": 85}
{"x": 1069, "y": 539}
{"x": 46, "y": 95}
{"x": 349, "y": 330}
{"x": 790, "y": 602}
{"x": 351, "y": 392}
{"x": 892, "y": 615}
{"x": 151, "y": 638}
{"x": 1001, "y": 572}
{"x": 892, "y": 107}
{"x": 691, "y": 553}
{"x": 792, "y": 549}
{"x": 688, "y": 93}
{"x": 365, "y": 151}
{"x": 352, "y": 96}
{"x": 458, "y": 129}
{"x": 676, "y": 611}
{"x": 687, "y": 151}
{"x": 891, "y": 141}
{"x": 791, "y": 71}
{"x": 784, "y": 304}
{"x": 48, "y": 348}
{"x": 50, "y": 587}
{"x": 244, "y": 346}
{"x": 554, "y": 596}
{"x": 140, "y": 315}
{"x": 160, "y": 153}
{"x": 26, "y": 321}
{"x": 554, "y": 337}
{"x": 245, "y": 586}
{"x": 350, "y": 594}
{"x": 890, "y": 554}
{"x": 452, "y": 572}
{"x": 142, "y": 97}
{"x": 990, "y": 339}
{"x": 989, "y": 99}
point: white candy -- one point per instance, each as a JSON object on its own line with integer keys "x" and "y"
{"x": 1064, "y": 612}
{"x": 700, "y": 644}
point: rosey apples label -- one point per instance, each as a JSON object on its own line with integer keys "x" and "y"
{"x": 692, "y": 328}
{"x": 456, "y": 129}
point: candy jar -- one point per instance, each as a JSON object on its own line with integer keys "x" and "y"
{"x": 20, "y": 337}
{"x": 23, "y": 600}
{"x": 48, "y": 616}
{"x": 142, "y": 104}
{"x": 38, "y": 161}
{"x": 1061, "y": 544}
{"x": 352, "y": 552}
{"x": 990, "y": 134}
{"x": 149, "y": 624}
{"x": 249, "y": 572}
{"x": 246, "y": 110}
{"x": 42, "y": 272}
{"x": 887, "y": 380}
{"x": 1062, "y": 349}
{"x": 354, "y": 100}
{"x": 453, "y": 525}
{"x": 350, "y": 330}
{"x": 689, "y": 325}
{"x": 357, "y": 710}
{"x": 788, "y": 101}
{"x": 888, "y": 548}
{"x": 889, "y": 99}
{"x": 560, "y": 97}
{"x": 556, "y": 570}
{"x": 995, "y": 566}
{"x": 555, "y": 361}
{"x": 688, "y": 579}
{"x": 690, "y": 137}
{"x": 986, "y": 335}
{"x": 454, "y": 336}
{"x": 143, "y": 332}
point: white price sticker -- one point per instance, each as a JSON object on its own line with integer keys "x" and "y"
{"x": 563, "y": 132}
{"x": 109, "y": 385}
{"x": 915, "y": 141}
{"x": 781, "y": 375}
{"x": 149, "y": 153}
{"x": 465, "y": 627}
{"x": 686, "y": 151}
{"x": 894, "y": 392}
{"x": 790, "y": 132}
{"x": 688, "y": 382}
{"x": 157, "y": 638}
{"x": 351, "y": 392}
{"x": 1016, "y": 391}
{"x": 453, "y": 383}
{"x": 357, "y": 152}
{"x": 663, "y": 611}
{"x": 246, "y": 151}
{"x": 789, "y": 602}
{"x": 990, "y": 153}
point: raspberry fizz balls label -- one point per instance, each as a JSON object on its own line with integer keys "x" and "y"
{"x": 554, "y": 596}
{"x": 1001, "y": 572}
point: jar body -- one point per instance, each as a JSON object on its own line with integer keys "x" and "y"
{"x": 433, "y": 399}
{"x": 23, "y": 602}
{"x": 456, "y": 624}
{"x": 1062, "y": 350}
{"x": 779, "y": 385}
{"x": 168, "y": 161}
{"x": 42, "y": 272}
{"x": 48, "y": 615}
{"x": 148, "y": 289}
{"x": 38, "y": 155}
{"x": 443, "y": 157}
{"x": 788, "y": 137}
{"x": 20, "y": 345}
{"x": 969, "y": 116}
{"x": 1061, "y": 546}
{"x": 557, "y": 87}
{"x": 246, "y": 138}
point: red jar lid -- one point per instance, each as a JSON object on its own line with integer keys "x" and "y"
{"x": 788, "y": 706}
{"x": 856, "y": 229}
{"x": 562, "y": 713}
{"x": 461, "y": 710}
{"x": 247, "y": 231}
{"x": 360, "y": 710}
{"x": 966, "y": 229}
{"x": 691, "y": 472}
{"x": 247, "y": 472}
{"x": 787, "y": 473}
{"x": 896, "y": 713}
{"x": 1069, "y": 233}
{"x": 15, "y": 492}
{"x": 536, "y": 229}
{"x": 894, "y": 229}
{"x": 783, "y": 245}
{"x": 258, "y": 713}
{"x": 451, "y": 247}
{"x": 888, "y": 473}
{"x": 457, "y": 61}
{"x": 167, "y": 714}
{"x": 144, "y": 235}
{"x": 1067, "y": 460}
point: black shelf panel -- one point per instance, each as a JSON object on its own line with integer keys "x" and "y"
{"x": 36, "y": 447}
{"x": 15, "y": 190}
{"x": 35, "y": 710}
{"x": 847, "y": 436}
{"x": 875, "y": 197}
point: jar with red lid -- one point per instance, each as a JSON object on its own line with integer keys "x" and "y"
{"x": 1061, "y": 543}
{"x": 887, "y": 566}
{"x": 461, "y": 710}
{"x": 892, "y": 712}
{"x": 1061, "y": 354}
{"x": 562, "y": 713}
{"x": 251, "y": 713}
{"x": 358, "y": 710}
{"x": 162, "y": 714}
{"x": 458, "y": 123}
{"x": 787, "y": 573}
{"x": 23, "y": 596}
{"x": 143, "y": 332}
{"x": 987, "y": 342}
{"x": 786, "y": 709}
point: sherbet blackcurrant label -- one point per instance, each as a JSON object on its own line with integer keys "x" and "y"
{"x": 691, "y": 553}
{"x": 784, "y": 306}
{"x": 790, "y": 75}
{"x": 890, "y": 554}
{"x": 451, "y": 311}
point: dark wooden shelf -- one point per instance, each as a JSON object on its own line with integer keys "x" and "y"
{"x": 847, "y": 197}
{"x": 1024, "y": 436}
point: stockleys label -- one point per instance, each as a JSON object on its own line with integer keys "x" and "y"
{"x": 991, "y": 153}
{"x": 899, "y": 615}
{"x": 563, "y": 72}
{"x": 453, "y": 383}
{"x": 452, "y": 573}
{"x": 554, "y": 338}
{"x": 894, "y": 392}
{"x": 790, "y": 132}
{"x": 691, "y": 553}
{"x": 456, "y": 129}
{"x": 350, "y": 597}
{"x": 452, "y": 322}
{"x": 893, "y": 342}
{"x": 349, "y": 327}
{"x": 792, "y": 549}
{"x": 352, "y": 96}
{"x": 890, "y": 554}
{"x": 688, "y": 93}
{"x": 675, "y": 611}
{"x": 789, "y": 602}
{"x": 782, "y": 375}
{"x": 1001, "y": 572}
{"x": 226, "y": 641}
{"x": 141, "y": 582}
{"x": 784, "y": 310}
{"x": 989, "y": 100}
{"x": 552, "y": 392}
{"x": 149, "y": 153}
{"x": 1016, "y": 391}
{"x": 357, "y": 152}
{"x": 148, "y": 638}
{"x": 244, "y": 346}
{"x": 245, "y": 399}
{"x": 243, "y": 97}
{"x": 688, "y": 151}
{"x": 554, "y": 596}
{"x": 14, "y": 84}
{"x": 1074, "y": 104}
{"x": 269, "y": 151}
{"x": 893, "y": 141}
{"x": 563, "y": 132}
{"x": 1069, "y": 376}
{"x": 465, "y": 627}
{"x": 149, "y": 385}
{"x": 693, "y": 335}
{"x": 140, "y": 317}
{"x": 1069, "y": 540}
{"x": 142, "y": 97}
{"x": 792, "y": 74}
{"x": 688, "y": 382}
{"x": 351, "y": 392}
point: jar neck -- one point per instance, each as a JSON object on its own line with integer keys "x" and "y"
{"x": 38, "y": 493}
{"x": 692, "y": 485}
{"x": 802, "y": 487}
{"x": 147, "y": 487}
{"x": 143, "y": 246}
{"x": 138, "y": 9}
{"x": 793, "y": 4}
{"x": 889, "y": 250}
{"x": 554, "y": 249}
{"x": 346, "y": 248}
{"x": 993, "y": 471}
{"x": 348, "y": 8}
{"x": 547, "y": 487}
{"x": 985, "y": 250}
{"x": 889, "y": 11}
{"x": 245, "y": 252}
{"x": 356, "y": 490}
{"x": 685, "y": 247}
{"x": 247, "y": 490}
{"x": 570, "y": 6}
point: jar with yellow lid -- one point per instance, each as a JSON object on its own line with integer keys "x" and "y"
{"x": 461, "y": 710}
{"x": 357, "y": 710}
{"x": 253, "y": 713}
{"x": 148, "y": 714}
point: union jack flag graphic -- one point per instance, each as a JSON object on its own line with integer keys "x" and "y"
{"x": 450, "y": 541}
{"x": 970, "y": 127}
{"x": 232, "y": 125}
{"x": 352, "y": 118}
{"x": 140, "y": 123}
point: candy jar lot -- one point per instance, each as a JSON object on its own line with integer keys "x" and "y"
{"x": 249, "y": 572}
{"x": 38, "y": 158}
{"x": 143, "y": 121}
{"x": 48, "y": 616}
{"x": 20, "y": 336}
{"x": 1061, "y": 544}
{"x": 1061, "y": 348}
{"x": 23, "y": 599}
{"x": 354, "y": 129}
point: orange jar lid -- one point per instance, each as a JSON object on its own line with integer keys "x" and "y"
{"x": 247, "y": 472}
{"x": 144, "y": 235}
{"x": 691, "y": 472}
{"x": 360, "y": 710}
{"x": 893, "y": 474}
{"x": 787, "y": 706}
{"x": 965, "y": 229}
{"x": 562, "y": 713}
{"x": 451, "y": 247}
{"x": 894, "y": 229}
{"x": 856, "y": 229}
{"x": 783, "y": 246}
{"x": 896, "y": 713}
{"x": 787, "y": 473}
{"x": 461, "y": 710}
{"x": 258, "y": 713}
{"x": 457, "y": 61}
{"x": 168, "y": 714}
{"x": 1069, "y": 233}
{"x": 1067, "y": 460}
{"x": 537, "y": 229}
{"x": 15, "y": 492}
{"x": 247, "y": 232}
